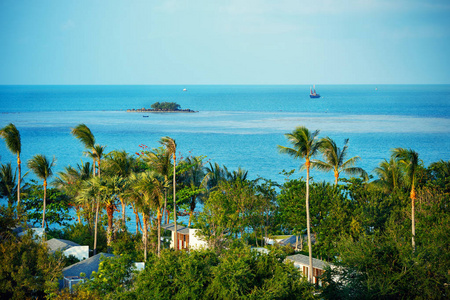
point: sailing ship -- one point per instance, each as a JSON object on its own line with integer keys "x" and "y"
{"x": 312, "y": 92}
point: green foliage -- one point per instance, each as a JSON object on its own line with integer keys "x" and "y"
{"x": 129, "y": 244}
{"x": 114, "y": 276}
{"x": 165, "y": 106}
{"x": 238, "y": 273}
{"x": 27, "y": 270}
{"x": 57, "y": 210}
{"x": 8, "y": 185}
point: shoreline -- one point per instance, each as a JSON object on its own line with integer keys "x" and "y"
{"x": 160, "y": 111}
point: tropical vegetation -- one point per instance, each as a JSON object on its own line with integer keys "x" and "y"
{"x": 385, "y": 236}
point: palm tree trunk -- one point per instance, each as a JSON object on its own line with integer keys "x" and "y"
{"x": 308, "y": 224}
{"x": 159, "y": 232}
{"x": 144, "y": 234}
{"x": 18, "y": 185}
{"x": 175, "y": 204}
{"x": 336, "y": 177}
{"x": 110, "y": 214}
{"x": 95, "y": 226}
{"x": 123, "y": 212}
{"x": 45, "y": 195}
{"x": 413, "y": 227}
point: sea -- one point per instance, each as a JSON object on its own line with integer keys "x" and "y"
{"x": 234, "y": 126}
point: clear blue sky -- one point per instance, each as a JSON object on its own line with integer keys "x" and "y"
{"x": 225, "y": 42}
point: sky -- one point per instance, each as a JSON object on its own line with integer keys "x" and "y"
{"x": 225, "y": 42}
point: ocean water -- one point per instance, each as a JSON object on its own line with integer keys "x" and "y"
{"x": 236, "y": 126}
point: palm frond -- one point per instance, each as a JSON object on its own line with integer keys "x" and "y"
{"x": 41, "y": 166}
{"x": 84, "y": 134}
{"x": 12, "y": 138}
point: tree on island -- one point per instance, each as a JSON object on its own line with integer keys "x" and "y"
{"x": 171, "y": 106}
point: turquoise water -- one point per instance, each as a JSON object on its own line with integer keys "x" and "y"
{"x": 236, "y": 126}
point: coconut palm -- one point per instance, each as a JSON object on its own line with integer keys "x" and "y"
{"x": 214, "y": 174}
{"x": 12, "y": 139}
{"x": 335, "y": 159}
{"x": 305, "y": 145}
{"x": 147, "y": 194}
{"x": 84, "y": 134}
{"x": 7, "y": 183}
{"x": 120, "y": 163}
{"x": 194, "y": 179}
{"x": 92, "y": 188}
{"x": 171, "y": 148}
{"x": 409, "y": 159}
{"x": 159, "y": 160}
{"x": 97, "y": 154}
{"x": 41, "y": 166}
{"x": 389, "y": 174}
{"x": 70, "y": 182}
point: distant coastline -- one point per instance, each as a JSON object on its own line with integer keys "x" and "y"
{"x": 150, "y": 110}
{"x": 164, "y": 107}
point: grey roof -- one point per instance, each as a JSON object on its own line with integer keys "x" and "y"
{"x": 290, "y": 240}
{"x": 59, "y": 244}
{"x": 304, "y": 260}
{"x": 171, "y": 227}
{"x": 86, "y": 266}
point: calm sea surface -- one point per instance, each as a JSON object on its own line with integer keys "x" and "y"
{"x": 236, "y": 126}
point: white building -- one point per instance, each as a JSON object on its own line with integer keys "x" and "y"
{"x": 302, "y": 262}
{"x": 188, "y": 238}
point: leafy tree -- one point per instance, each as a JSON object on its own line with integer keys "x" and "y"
{"x": 114, "y": 276}
{"x": 41, "y": 166}
{"x": 27, "y": 270}
{"x": 167, "y": 106}
{"x": 12, "y": 139}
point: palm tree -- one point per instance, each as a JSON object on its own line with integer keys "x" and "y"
{"x": 409, "y": 159}
{"x": 92, "y": 189}
{"x": 147, "y": 194}
{"x": 84, "y": 134}
{"x": 42, "y": 168}
{"x": 70, "y": 182}
{"x": 171, "y": 148}
{"x": 305, "y": 145}
{"x": 159, "y": 160}
{"x": 97, "y": 155}
{"x": 12, "y": 139}
{"x": 335, "y": 160}
{"x": 7, "y": 183}
{"x": 389, "y": 174}
{"x": 120, "y": 163}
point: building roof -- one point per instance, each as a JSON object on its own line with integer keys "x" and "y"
{"x": 86, "y": 266}
{"x": 60, "y": 244}
{"x": 180, "y": 228}
{"x": 304, "y": 260}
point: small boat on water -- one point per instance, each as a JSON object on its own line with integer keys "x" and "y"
{"x": 145, "y": 116}
{"x": 312, "y": 92}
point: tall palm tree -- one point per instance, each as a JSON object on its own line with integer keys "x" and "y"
{"x": 159, "y": 160}
{"x": 147, "y": 193}
{"x": 389, "y": 174}
{"x": 84, "y": 134}
{"x": 92, "y": 188}
{"x": 12, "y": 139}
{"x": 42, "y": 168}
{"x": 171, "y": 148}
{"x": 409, "y": 159}
{"x": 305, "y": 145}
{"x": 120, "y": 163}
{"x": 70, "y": 180}
{"x": 335, "y": 159}
{"x": 7, "y": 183}
{"x": 97, "y": 154}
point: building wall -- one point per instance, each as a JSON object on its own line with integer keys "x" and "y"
{"x": 195, "y": 241}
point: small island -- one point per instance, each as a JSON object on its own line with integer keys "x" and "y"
{"x": 162, "y": 107}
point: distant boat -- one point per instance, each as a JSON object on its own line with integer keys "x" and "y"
{"x": 312, "y": 92}
{"x": 184, "y": 90}
{"x": 145, "y": 116}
